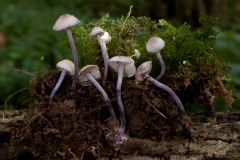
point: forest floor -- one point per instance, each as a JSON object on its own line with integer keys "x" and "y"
{"x": 77, "y": 124}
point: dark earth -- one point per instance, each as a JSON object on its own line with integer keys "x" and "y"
{"x": 75, "y": 125}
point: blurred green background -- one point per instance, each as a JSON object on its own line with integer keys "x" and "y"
{"x": 26, "y": 34}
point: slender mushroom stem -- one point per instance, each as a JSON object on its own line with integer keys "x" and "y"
{"x": 104, "y": 94}
{"x": 60, "y": 80}
{"x": 105, "y": 58}
{"x": 162, "y": 65}
{"x": 75, "y": 57}
{"x": 121, "y": 129}
{"x": 169, "y": 90}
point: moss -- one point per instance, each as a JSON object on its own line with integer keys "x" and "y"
{"x": 204, "y": 69}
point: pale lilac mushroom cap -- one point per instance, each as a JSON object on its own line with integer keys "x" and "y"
{"x": 93, "y": 70}
{"x": 127, "y": 62}
{"x": 142, "y": 70}
{"x": 96, "y": 31}
{"x": 155, "y": 44}
{"x": 65, "y": 21}
{"x": 66, "y": 65}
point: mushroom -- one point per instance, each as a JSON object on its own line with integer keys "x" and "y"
{"x": 142, "y": 73}
{"x": 154, "y": 45}
{"x": 64, "y": 66}
{"x": 125, "y": 67}
{"x": 137, "y": 54}
{"x": 106, "y": 38}
{"x": 98, "y": 34}
{"x": 87, "y": 76}
{"x": 66, "y": 21}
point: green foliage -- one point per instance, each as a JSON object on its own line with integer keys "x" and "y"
{"x": 227, "y": 45}
{"x": 207, "y": 31}
{"x": 38, "y": 69}
{"x": 204, "y": 66}
{"x": 30, "y": 36}
{"x": 27, "y": 26}
{"x": 86, "y": 54}
{"x": 129, "y": 33}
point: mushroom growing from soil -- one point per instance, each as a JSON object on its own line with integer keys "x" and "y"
{"x": 154, "y": 45}
{"x": 66, "y": 21}
{"x": 97, "y": 33}
{"x": 142, "y": 73}
{"x": 125, "y": 67}
{"x": 87, "y": 76}
{"x": 64, "y": 66}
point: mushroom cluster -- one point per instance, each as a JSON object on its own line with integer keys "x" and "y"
{"x": 123, "y": 65}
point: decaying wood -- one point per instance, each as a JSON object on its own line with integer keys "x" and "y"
{"x": 212, "y": 135}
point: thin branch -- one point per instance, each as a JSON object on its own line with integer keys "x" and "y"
{"x": 9, "y": 97}
{"x": 145, "y": 97}
{"x": 23, "y": 72}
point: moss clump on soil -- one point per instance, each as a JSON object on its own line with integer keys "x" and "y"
{"x": 76, "y": 123}
{"x": 204, "y": 70}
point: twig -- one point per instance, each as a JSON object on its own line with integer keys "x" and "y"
{"x": 128, "y": 15}
{"x": 82, "y": 156}
{"x": 145, "y": 97}
{"x": 26, "y": 100}
{"x": 74, "y": 156}
{"x": 23, "y": 72}
{"x": 9, "y": 97}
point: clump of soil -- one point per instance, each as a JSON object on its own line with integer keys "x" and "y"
{"x": 75, "y": 125}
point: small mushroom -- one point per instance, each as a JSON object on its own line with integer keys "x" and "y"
{"x": 66, "y": 21}
{"x": 154, "y": 45}
{"x": 137, "y": 54}
{"x": 142, "y": 73}
{"x": 87, "y": 76}
{"x": 64, "y": 66}
{"x": 106, "y": 38}
{"x": 98, "y": 34}
{"x": 125, "y": 67}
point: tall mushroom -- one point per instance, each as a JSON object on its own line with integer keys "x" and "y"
{"x": 64, "y": 66}
{"x": 66, "y": 21}
{"x": 97, "y": 33}
{"x": 142, "y": 73}
{"x": 87, "y": 76}
{"x": 125, "y": 67}
{"x": 154, "y": 45}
